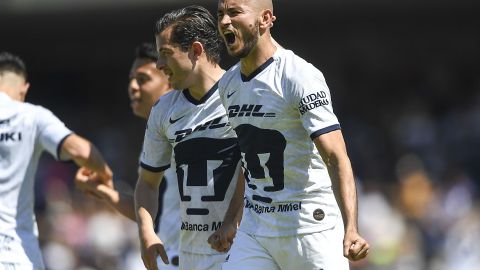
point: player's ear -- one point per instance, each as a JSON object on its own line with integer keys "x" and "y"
{"x": 24, "y": 90}
{"x": 197, "y": 49}
{"x": 266, "y": 19}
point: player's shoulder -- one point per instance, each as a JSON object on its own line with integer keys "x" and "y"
{"x": 32, "y": 110}
{"x": 165, "y": 106}
{"x": 166, "y": 101}
{"x": 295, "y": 67}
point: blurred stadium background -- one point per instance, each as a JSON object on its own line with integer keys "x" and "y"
{"x": 405, "y": 81}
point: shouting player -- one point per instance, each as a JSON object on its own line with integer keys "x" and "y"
{"x": 297, "y": 167}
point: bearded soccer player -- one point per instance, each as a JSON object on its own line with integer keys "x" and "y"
{"x": 297, "y": 167}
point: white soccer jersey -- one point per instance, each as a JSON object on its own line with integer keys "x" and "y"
{"x": 25, "y": 131}
{"x": 276, "y": 111}
{"x": 207, "y": 158}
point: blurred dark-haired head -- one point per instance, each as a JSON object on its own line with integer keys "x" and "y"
{"x": 12, "y": 63}
{"x": 146, "y": 50}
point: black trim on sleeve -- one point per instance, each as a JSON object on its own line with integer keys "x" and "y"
{"x": 60, "y": 144}
{"x": 154, "y": 169}
{"x": 324, "y": 130}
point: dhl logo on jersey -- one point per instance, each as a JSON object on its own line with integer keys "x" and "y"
{"x": 247, "y": 110}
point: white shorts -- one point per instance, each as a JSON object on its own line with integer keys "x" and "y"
{"x": 194, "y": 261}
{"x": 314, "y": 251}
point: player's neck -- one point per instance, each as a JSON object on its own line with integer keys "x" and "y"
{"x": 206, "y": 79}
{"x": 263, "y": 51}
{"x": 9, "y": 91}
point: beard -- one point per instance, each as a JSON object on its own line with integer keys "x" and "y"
{"x": 250, "y": 39}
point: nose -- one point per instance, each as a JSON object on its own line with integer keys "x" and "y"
{"x": 133, "y": 86}
{"x": 224, "y": 20}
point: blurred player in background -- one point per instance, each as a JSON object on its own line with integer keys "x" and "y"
{"x": 26, "y": 130}
{"x": 191, "y": 123}
{"x": 297, "y": 167}
{"x": 147, "y": 85}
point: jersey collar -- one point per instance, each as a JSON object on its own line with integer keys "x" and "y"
{"x": 192, "y": 100}
{"x": 257, "y": 71}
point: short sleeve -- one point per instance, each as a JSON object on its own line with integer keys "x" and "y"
{"x": 157, "y": 150}
{"x": 311, "y": 97}
{"x": 51, "y": 132}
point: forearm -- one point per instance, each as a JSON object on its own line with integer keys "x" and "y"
{"x": 123, "y": 203}
{"x": 146, "y": 205}
{"x": 235, "y": 209}
{"x": 343, "y": 185}
{"x": 331, "y": 147}
{"x": 84, "y": 154}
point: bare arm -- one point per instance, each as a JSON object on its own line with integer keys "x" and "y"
{"x": 333, "y": 151}
{"x": 123, "y": 203}
{"x": 222, "y": 239}
{"x": 234, "y": 212}
{"x": 146, "y": 204}
{"x": 85, "y": 154}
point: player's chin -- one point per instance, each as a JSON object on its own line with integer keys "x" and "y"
{"x": 137, "y": 110}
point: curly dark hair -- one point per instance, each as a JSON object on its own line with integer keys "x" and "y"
{"x": 190, "y": 24}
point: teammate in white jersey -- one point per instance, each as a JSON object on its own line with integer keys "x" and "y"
{"x": 191, "y": 124}
{"x": 147, "y": 85}
{"x": 26, "y": 130}
{"x": 297, "y": 167}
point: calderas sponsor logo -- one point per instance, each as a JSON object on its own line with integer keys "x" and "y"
{"x": 212, "y": 124}
{"x": 247, "y": 110}
{"x": 313, "y": 101}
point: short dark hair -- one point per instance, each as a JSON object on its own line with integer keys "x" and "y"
{"x": 147, "y": 50}
{"x": 190, "y": 24}
{"x": 12, "y": 63}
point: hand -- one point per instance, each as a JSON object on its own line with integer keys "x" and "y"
{"x": 152, "y": 247}
{"x": 222, "y": 239}
{"x": 85, "y": 180}
{"x": 354, "y": 246}
{"x": 106, "y": 177}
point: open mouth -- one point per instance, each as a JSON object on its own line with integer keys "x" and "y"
{"x": 229, "y": 38}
